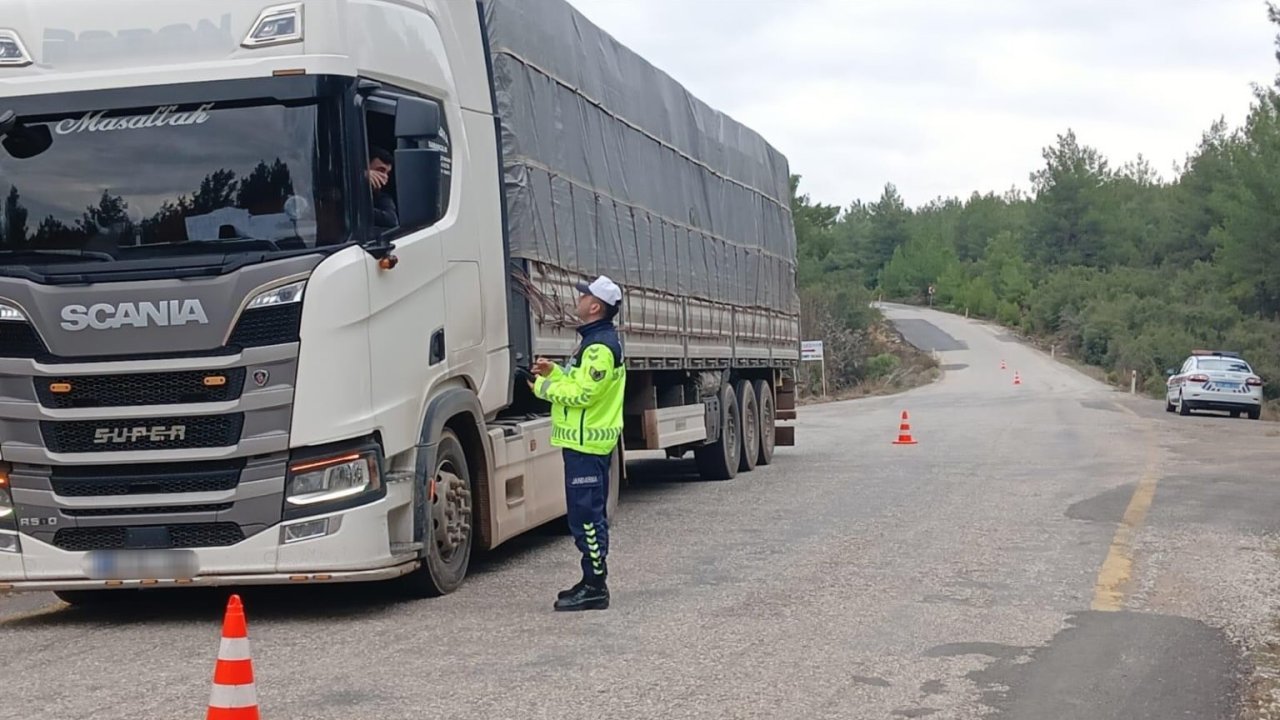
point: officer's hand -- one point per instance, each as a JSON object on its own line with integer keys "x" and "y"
{"x": 542, "y": 367}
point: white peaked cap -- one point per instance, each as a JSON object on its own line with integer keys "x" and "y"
{"x": 602, "y": 288}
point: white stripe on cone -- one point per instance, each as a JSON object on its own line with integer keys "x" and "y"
{"x": 234, "y": 649}
{"x": 233, "y": 696}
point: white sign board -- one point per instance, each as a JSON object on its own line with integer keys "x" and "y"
{"x": 810, "y": 350}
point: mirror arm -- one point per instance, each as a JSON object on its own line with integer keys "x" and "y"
{"x": 382, "y": 249}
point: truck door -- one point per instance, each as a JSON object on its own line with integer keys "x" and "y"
{"x": 407, "y": 286}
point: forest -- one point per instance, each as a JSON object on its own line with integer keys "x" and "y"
{"x": 1119, "y": 267}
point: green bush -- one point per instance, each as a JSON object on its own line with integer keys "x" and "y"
{"x": 881, "y": 366}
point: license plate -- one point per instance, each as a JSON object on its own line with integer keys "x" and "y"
{"x": 1227, "y": 385}
{"x": 141, "y": 564}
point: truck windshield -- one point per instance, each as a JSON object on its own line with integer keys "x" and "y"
{"x": 93, "y": 186}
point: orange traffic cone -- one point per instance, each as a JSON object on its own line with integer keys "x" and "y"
{"x": 1003, "y": 366}
{"x": 904, "y": 432}
{"x": 234, "y": 695}
{"x": 1017, "y": 379}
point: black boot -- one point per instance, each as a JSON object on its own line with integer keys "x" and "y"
{"x": 591, "y": 595}
{"x": 586, "y": 578}
{"x": 576, "y": 587}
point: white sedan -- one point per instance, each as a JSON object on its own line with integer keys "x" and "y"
{"x": 1214, "y": 380}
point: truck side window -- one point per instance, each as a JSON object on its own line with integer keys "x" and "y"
{"x": 409, "y": 160}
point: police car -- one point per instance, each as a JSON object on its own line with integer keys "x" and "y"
{"x": 1214, "y": 380}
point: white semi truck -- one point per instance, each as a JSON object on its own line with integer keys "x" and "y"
{"x": 228, "y": 356}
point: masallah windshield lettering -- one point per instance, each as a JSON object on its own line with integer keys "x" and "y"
{"x": 162, "y": 116}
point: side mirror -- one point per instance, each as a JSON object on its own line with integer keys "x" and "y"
{"x": 418, "y": 177}
{"x": 417, "y": 119}
{"x": 420, "y": 165}
{"x": 418, "y": 169}
{"x": 1170, "y": 372}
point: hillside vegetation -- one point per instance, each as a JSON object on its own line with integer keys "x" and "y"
{"x": 1117, "y": 266}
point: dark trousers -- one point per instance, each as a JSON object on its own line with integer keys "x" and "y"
{"x": 586, "y": 491}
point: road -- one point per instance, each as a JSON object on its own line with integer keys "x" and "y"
{"x": 1054, "y": 549}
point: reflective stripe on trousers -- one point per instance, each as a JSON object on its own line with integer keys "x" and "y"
{"x": 586, "y": 491}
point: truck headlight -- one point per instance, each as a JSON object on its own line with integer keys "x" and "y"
{"x": 283, "y": 295}
{"x": 314, "y": 482}
{"x": 10, "y": 313}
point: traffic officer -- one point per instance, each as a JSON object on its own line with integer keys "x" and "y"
{"x": 586, "y": 412}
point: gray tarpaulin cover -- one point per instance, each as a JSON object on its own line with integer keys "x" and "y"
{"x": 613, "y": 167}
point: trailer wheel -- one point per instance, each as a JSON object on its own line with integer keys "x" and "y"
{"x": 719, "y": 460}
{"x": 750, "y": 408}
{"x": 768, "y": 421}
{"x": 450, "y": 523}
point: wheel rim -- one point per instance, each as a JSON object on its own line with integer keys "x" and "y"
{"x": 732, "y": 436}
{"x": 450, "y": 513}
{"x": 766, "y": 420}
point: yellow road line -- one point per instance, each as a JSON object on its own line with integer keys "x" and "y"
{"x": 1117, "y": 569}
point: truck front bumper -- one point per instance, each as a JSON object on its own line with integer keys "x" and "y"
{"x": 357, "y": 547}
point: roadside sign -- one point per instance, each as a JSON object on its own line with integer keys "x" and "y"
{"x": 811, "y": 350}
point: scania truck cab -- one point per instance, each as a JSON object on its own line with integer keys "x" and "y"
{"x": 218, "y": 363}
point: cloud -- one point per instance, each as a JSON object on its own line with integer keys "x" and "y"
{"x": 943, "y": 99}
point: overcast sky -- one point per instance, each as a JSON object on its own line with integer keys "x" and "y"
{"x": 944, "y": 98}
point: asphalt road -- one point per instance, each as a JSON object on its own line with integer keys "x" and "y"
{"x": 1054, "y": 549}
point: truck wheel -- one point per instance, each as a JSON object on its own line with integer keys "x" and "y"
{"x": 768, "y": 421}
{"x": 450, "y": 526}
{"x": 750, "y": 426}
{"x": 719, "y": 460}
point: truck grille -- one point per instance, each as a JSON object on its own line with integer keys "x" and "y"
{"x": 19, "y": 340}
{"x": 268, "y": 326}
{"x": 179, "y": 536}
{"x": 161, "y": 478}
{"x": 173, "y": 433}
{"x": 152, "y": 510}
{"x": 141, "y": 389}
{"x": 256, "y": 328}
